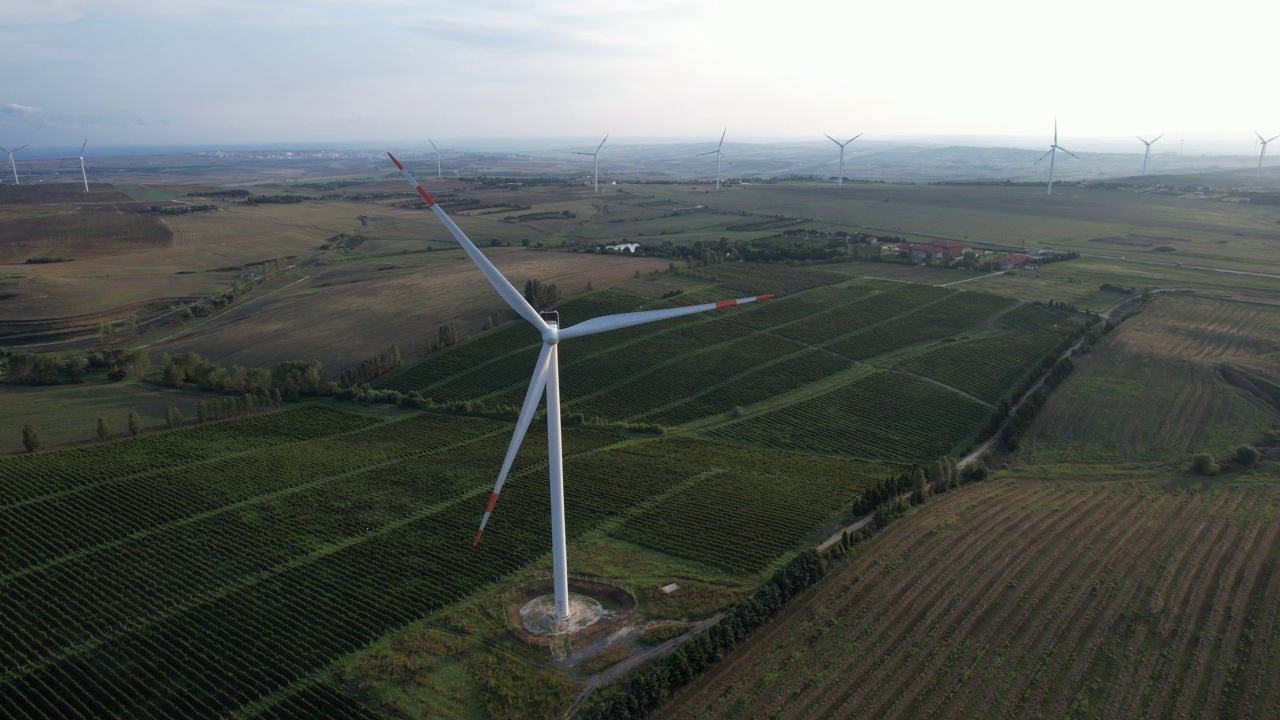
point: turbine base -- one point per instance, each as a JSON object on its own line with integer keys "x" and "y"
{"x": 538, "y": 615}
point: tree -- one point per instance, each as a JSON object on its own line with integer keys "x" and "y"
{"x": 174, "y": 375}
{"x": 1203, "y": 464}
{"x": 275, "y": 397}
{"x": 202, "y": 411}
{"x": 104, "y": 430}
{"x": 106, "y": 333}
{"x": 131, "y": 325}
{"x": 173, "y": 417}
{"x": 447, "y": 335}
{"x": 1247, "y": 455}
{"x": 541, "y": 296}
{"x": 135, "y": 423}
{"x": 30, "y": 438}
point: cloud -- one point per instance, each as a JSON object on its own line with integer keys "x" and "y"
{"x": 16, "y": 109}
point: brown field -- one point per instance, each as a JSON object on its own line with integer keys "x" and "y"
{"x": 343, "y": 313}
{"x": 79, "y": 235}
{"x": 60, "y": 193}
{"x": 1153, "y": 390}
{"x": 1029, "y": 598}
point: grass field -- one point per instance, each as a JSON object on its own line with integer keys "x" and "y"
{"x": 1152, "y": 390}
{"x": 68, "y": 414}
{"x": 1030, "y": 598}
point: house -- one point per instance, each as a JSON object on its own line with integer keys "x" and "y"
{"x": 1015, "y": 262}
{"x": 935, "y": 250}
{"x": 623, "y": 247}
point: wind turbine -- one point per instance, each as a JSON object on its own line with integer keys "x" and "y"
{"x": 595, "y": 161}
{"x": 718, "y": 155}
{"x": 1053, "y": 153}
{"x": 1258, "y": 172}
{"x": 11, "y": 165}
{"x": 546, "y": 377}
{"x": 433, "y": 147}
{"x": 840, "y": 181}
{"x": 1147, "y": 155}
{"x": 83, "y": 174}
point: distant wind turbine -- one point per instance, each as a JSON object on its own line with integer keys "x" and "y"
{"x": 1147, "y": 155}
{"x": 83, "y": 174}
{"x": 1052, "y": 155}
{"x": 595, "y": 161}
{"x": 433, "y": 147}
{"x": 718, "y": 155}
{"x": 11, "y": 165}
{"x": 840, "y": 181}
{"x": 1258, "y": 172}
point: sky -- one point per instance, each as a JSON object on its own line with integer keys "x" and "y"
{"x": 292, "y": 72}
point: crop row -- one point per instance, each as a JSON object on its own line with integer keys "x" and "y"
{"x": 944, "y": 319}
{"x": 765, "y": 278}
{"x": 885, "y": 415}
{"x": 987, "y": 367}
{"x": 23, "y": 477}
{"x": 844, "y": 319}
{"x": 244, "y": 601}
{"x": 761, "y": 384}
{"x": 112, "y": 510}
{"x": 692, "y": 373}
{"x": 743, "y": 520}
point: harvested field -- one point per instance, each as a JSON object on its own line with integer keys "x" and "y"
{"x": 77, "y": 235}
{"x": 343, "y": 313}
{"x": 1027, "y": 598}
{"x": 59, "y": 193}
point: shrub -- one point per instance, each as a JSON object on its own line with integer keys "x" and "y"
{"x": 1247, "y": 455}
{"x": 1203, "y": 464}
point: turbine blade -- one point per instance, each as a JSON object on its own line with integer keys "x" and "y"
{"x": 495, "y": 278}
{"x": 1273, "y": 137}
{"x": 713, "y": 152}
{"x": 855, "y": 137}
{"x": 602, "y": 142}
{"x": 433, "y": 145}
{"x": 24, "y": 146}
{"x": 1144, "y": 142}
{"x": 832, "y": 139}
{"x": 1153, "y": 142}
{"x": 1069, "y": 153}
{"x": 537, "y": 384}
{"x": 726, "y": 159}
{"x": 614, "y": 322}
{"x": 1255, "y": 132}
{"x": 722, "y": 138}
{"x": 575, "y": 152}
{"x": 1043, "y": 156}
{"x": 82, "y": 147}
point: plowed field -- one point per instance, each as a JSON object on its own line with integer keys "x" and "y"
{"x": 1031, "y": 599}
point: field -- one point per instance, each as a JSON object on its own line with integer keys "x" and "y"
{"x": 1154, "y": 390}
{"x": 209, "y": 568}
{"x": 317, "y": 561}
{"x": 1030, "y": 598}
{"x": 68, "y": 414}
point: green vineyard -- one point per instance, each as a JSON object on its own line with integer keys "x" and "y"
{"x": 218, "y": 569}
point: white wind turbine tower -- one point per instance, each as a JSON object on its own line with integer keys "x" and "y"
{"x": 546, "y": 377}
{"x": 595, "y": 161}
{"x": 83, "y": 174}
{"x": 718, "y": 155}
{"x": 1258, "y": 172}
{"x": 11, "y": 165}
{"x": 1147, "y": 155}
{"x": 840, "y": 181}
{"x": 1052, "y": 155}
{"x": 433, "y": 147}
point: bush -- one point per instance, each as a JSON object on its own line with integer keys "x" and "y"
{"x": 1203, "y": 464}
{"x": 1247, "y": 455}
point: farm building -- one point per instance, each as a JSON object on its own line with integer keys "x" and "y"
{"x": 1014, "y": 262}
{"x": 935, "y": 249}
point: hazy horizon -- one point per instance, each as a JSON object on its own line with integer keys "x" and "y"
{"x": 217, "y": 73}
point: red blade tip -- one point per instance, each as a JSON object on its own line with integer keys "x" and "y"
{"x": 477, "y": 540}
{"x": 394, "y": 160}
